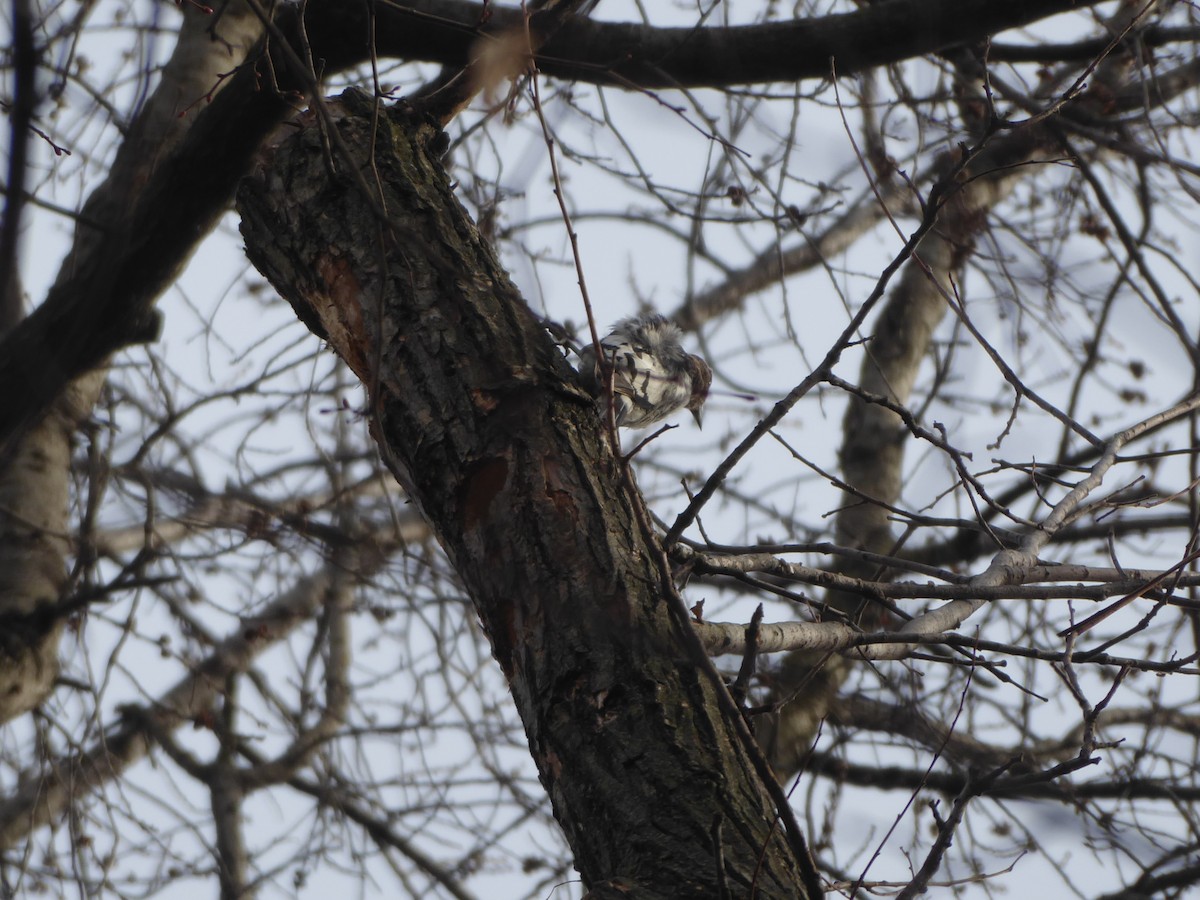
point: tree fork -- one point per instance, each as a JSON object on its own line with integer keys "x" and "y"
{"x": 479, "y": 417}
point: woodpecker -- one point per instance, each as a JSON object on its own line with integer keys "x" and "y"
{"x": 652, "y": 375}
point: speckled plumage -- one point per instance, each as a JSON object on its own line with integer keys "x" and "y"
{"x": 652, "y": 375}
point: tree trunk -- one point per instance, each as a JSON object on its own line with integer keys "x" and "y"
{"x": 478, "y": 416}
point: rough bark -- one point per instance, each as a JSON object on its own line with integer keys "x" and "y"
{"x": 477, "y": 415}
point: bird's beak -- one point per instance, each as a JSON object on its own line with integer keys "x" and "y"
{"x": 696, "y": 413}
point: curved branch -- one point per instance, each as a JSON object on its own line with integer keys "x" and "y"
{"x": 642, "y": 56}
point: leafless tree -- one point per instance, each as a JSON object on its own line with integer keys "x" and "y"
{"x": 321, "y": 571}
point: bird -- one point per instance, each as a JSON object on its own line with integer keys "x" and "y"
{"x": 652, "y": 375}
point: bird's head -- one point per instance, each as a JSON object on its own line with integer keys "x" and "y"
{"x": 701, "y": 378}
